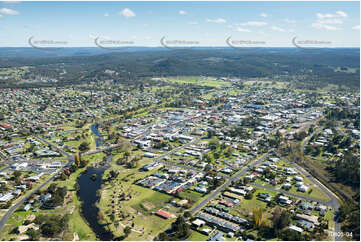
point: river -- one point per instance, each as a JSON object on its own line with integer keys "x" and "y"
{"x": 88, "y": 195}
{"x": 98, "y": 137}
{"x": 88, "y": 192}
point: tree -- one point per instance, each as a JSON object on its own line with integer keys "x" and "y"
{"x": 290, "y": 235}
{"x": 257, "y": 216}
{"x": 83, "y": 162}
{"x": 77, "y": 159}
{"x": 182, "y": 228}
{"x": 17, "y": 174}
{"x": 213, "y": 144}
{"x": 187, "y": 214}
{"x": 63, "y": 176}
{"x": 249, "y": 196}
{"x": 33, "y": 234}
{"x": 50, "y": 228}
{"x": 84, "y": 146}
{"x": 127, "y": 231}
{"x": 163, "y": 236}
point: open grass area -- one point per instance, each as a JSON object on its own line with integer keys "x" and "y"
{"x": 71, "y": 207}
{"x": 137, "y": 206}
{"x": 209, "y": 81}
{"x": 196, "y": 236}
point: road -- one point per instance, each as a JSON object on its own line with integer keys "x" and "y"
{"x": 236, "y": 177}
{"x": 305, "y": 142}
{"x": 7, "y": 215}
{"x": 70, "y": 159}
{"x": 290, "y": 194}
{"x": 334, "y": 199}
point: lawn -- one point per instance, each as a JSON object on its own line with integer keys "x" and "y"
{"x": 138, "y": 206}
{"x": 71, "y": 206}
{"x": 196, "y": 236}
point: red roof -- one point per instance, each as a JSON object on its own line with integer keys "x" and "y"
{"x": 179, "y": 190}
{"x": 5, "y": 125}
{"x": 224, "y": 202}
{"x": 163, "y": 214}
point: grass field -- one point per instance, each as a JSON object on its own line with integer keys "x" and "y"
{"x": 138, "y": 206}
{"x": 196, "y": 236}
{"x": 209, "y": 81}
{"x": 71, "y": 207}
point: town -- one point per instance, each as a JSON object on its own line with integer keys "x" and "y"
{"x": 179, "y": 158}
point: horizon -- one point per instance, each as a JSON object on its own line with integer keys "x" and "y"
{"x": 201, "y": 24}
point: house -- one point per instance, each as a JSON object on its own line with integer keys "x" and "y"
{"x": 27, "y": 207}
{"x": 201, "y": 189}
{"x": 306, "y": 224}
{"x": 286, "y": 186}
{"x": 7, "y": 197}
{"x": 149, "y": 155}
{"x": 45, "y": 198}
{"x": 295, "y": 228}
{"x": 216, "y": 237}
{"x": 310, "y": 218}
{"x": 250, "y": 177}
{"x": 284, "y": 200}
{"x": 306, "y": 205}
{"x": 302, "y": 188}
{"x": 16, "y": 192}
{"x": 289, "y": 171}
{"x": 163, "y": 214}
{"x": 198, "y": 223}
{"x": 298, "y": 178}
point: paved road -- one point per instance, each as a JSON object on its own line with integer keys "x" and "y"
{"x": 7, "y": 215}
{"x": 70, "y": 159}
{"x": 236, "y": 177}
{"x": 4, "y": 168}
{"x": 308, "y": 139}
{"x": 334, "y": 199}
{"x": 290, "y": 193}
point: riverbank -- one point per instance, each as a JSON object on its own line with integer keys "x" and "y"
{"x": 126, "y": 204}
{"x": 88, "y": 194}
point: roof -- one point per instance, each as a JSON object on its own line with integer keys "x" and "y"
{"x": 163, "y": 214}
{"x": 216, "y": 237}
{"x": 298, "y": 229}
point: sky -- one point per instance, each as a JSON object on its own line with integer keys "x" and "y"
{"x": 112, "y": 24}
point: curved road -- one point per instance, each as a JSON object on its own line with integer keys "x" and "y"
{"x": 334, "y": 199}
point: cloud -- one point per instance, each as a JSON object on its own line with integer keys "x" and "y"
{"x": 319, "y": 25}
{"x": 193, "y": 22}
{"x": 265, "y": 15}
{"x": 239, "y": 29}
{"x": 330, "y": 21}
{"x": 254, "y": 23}
{"x": 106, "y": 15}
{"x": 126, "y": 12}
{"x": 331, "y": 15}
{"x": 92, "y": 36}
{"x": 327, "y": 21}
{"x": 279, "y": 29}
{"x": 182, "y": 12}
{"x": 1, "y": 16}
{"x": 217, "y": 20}
{"x": 9, "y": 11}
{"x": 342, "y": 14}
{"x": 290, "y": 21}
{"x": 357, "y": 27}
